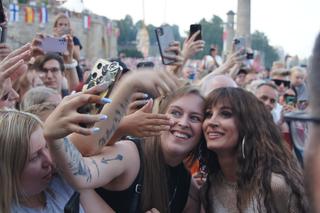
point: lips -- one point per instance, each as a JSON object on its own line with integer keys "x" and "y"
{"x": 214, "y": 135}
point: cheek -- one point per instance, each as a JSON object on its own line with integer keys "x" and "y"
{"x": 31, "y": 178}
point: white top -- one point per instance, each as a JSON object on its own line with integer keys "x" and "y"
{"x": 56, "y": 198}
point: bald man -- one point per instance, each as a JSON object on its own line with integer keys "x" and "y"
{"x": 216, "y": 81}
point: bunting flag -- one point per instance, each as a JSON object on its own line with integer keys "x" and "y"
{"x": 86, "y": 22}
{"x": 225, "y": 36}
{"x": 43, "y": 14}
{"x": 29, "y": 15}
{"x": 14, "y": 12}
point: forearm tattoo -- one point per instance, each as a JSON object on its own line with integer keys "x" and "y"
{"x": 76, "y": 163}
{"x": 106, "y": 161}
{"x": 119, "y": 113}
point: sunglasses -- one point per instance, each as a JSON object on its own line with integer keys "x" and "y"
{"x": 278, "y": 82}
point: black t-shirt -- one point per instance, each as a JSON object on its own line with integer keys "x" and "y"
{"x": 76, "y": 42}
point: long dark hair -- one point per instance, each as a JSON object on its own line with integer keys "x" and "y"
{"x": 155, "y": 184}
{"x": 264, "y": 152}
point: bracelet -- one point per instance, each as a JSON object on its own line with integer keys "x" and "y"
{"x": 73, "y": 65}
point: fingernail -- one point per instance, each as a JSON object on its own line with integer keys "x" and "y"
{"x": 145, "y": 95}
{"x": 73, "y": 92}
{"x": 103, "y": 117}
{"x": 95, "y": 129}
{"x": 106, "y": 100}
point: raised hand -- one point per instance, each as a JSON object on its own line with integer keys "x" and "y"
{"x": 65, "y": 119}
{"x": 192, "y": 47}
{"x": 143, "y": 123}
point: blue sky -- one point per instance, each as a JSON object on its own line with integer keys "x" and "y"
{"x": 292, "y": 24}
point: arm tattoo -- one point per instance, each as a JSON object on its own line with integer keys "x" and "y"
{"x": 119, "y": 113}
{"x": 106, "y": 161}
{"x": 76, "y": 162}
{"x": 95, "y": 163}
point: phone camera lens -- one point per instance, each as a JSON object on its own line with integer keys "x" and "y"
{"x": 99, "y": 66}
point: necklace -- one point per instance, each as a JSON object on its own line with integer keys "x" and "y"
{"x": 173, "y": 195}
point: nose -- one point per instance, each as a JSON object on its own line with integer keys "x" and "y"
{"x": 183, "y": 122}
{"x": 49, "y": 74}
{"x": 47, "y": 160}
{"x": 213, "y": 121}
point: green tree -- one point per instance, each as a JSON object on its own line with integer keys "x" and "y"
{"x": 260, "y": 42}
{"x": 127, "y": 31}
{"x": 212, "y": 32}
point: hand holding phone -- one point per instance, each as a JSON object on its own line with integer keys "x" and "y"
{"x": 193, "y": 29}
{"x": 165, "y": 37}
{"x": 56, "y": 45}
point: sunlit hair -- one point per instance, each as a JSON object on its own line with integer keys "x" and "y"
{"x": 155, "y": 188}
{"x": 58, "y": 17}
{"x": 35, "y": 96}
{"x": 264, "y": 150}
{"x": 15, "y": 131}
{"x": 41, "y": 110}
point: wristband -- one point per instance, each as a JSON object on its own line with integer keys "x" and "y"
{"x": 73, "y": 65}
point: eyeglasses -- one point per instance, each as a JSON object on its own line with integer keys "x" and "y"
{"x": 299, "y": 126}
{"x": 53, "y": 70}
{"x": 278, "y": 82}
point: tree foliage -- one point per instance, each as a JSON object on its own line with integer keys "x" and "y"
{"x": 260, "y": 42}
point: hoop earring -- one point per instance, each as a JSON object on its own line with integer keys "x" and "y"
{"x": 242, "y": 147}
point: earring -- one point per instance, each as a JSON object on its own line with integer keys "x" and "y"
{"x": 242, "y": 147}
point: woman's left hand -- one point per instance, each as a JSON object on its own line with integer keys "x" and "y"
{"x": 65, "y": 119}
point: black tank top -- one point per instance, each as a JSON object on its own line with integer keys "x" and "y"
{"x": 128, "y": 200}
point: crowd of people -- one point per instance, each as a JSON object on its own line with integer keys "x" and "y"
{"x": 210, "y": 135}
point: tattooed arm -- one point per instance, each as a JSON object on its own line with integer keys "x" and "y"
{"x": 91, "y": 172}
{"x": 155, "y": 83}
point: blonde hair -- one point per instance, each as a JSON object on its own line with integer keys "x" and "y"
{"x": 298, "y": 70}
{"x": 60, "y": 16}
{"x": 36, "y": 96}
{"x": 15, "y": 131}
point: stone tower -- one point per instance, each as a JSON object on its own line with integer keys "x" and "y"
{"x": 228, "y": 33}
{"x": 243, "y": 20}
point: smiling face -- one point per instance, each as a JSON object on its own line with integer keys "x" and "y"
{"x": 220, "y": 129}
{"x": 37, "y": 172}
{"x": 186, "y": 113}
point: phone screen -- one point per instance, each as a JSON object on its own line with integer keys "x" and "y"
{"x": 56, "y": 45}
{"x": 195, "y": 28}
{"x": 165, "y": 38}
{"x": 73, "y": 204}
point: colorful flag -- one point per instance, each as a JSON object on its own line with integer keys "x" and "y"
{"x": 86, "y": 22}
{"x": 29, "y": 15}
{"x": 43, "y": 14}
{"x": 14, "y": 12}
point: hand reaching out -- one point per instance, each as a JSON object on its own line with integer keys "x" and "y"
{"x": 143, "y": 123}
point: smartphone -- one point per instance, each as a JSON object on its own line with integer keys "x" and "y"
{"x": 103, "y": 72}
{"x": 239, "y": 43}
{"x": 195, "y": 28}
{"x": 165, "y": 37}
{"x": 3, "y": 26}
{"x": 3, "y": 34}
{"x": 290, "y": 100}
{"x": 73, "y": 204}
{"x": 56, "y": 45}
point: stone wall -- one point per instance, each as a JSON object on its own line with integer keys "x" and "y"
{"x": 96, "y": 43}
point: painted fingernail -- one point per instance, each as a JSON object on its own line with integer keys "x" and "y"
{"x": 95, "y": 129}
{"x": 103, "y": 117}
{"x": 73, "y": 92}
{"x": 106, "y": 100}
{"x": 145, "y": 95}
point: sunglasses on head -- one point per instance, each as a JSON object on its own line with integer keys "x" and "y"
{"x": 279, "y": 82}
